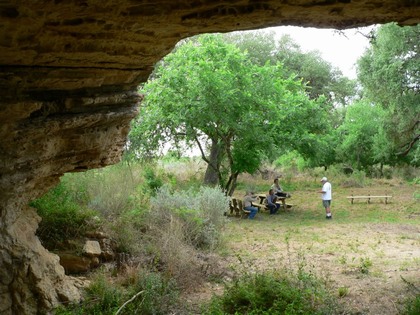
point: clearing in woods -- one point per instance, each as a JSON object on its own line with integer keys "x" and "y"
{"x": 370, "y": 251}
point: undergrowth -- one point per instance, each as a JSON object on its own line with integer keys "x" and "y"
{"x": 149, "y": 294}
{"x": 274, "y": 292}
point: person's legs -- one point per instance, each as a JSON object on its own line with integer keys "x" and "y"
{"x": 283, "y": 194}
{"x": 274, "y": 208}
{"x": 253, "y": 212}
{"x": 327, "y": 206}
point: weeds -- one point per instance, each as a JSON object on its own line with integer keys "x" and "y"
{"x": 343, "y": 291}
{"x": 150, "y": 293}
{"x": 274, "y": 292}
{"x": 365, "y": 264}
{"x": 411, "y": 303}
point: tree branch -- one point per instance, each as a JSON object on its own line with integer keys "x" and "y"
{"x": 409, "y": 146}
{"x": 129, "y": 301}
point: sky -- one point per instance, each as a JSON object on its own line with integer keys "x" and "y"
{"x": 341, "y": 51}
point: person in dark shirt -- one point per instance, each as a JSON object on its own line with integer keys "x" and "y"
{"x": 271, "y": 202}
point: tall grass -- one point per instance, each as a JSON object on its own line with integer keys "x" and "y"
{"x": 179, "y": 225}
{"x": 148, "y": 294}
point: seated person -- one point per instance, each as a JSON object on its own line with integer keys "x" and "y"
{"x": 248, "y": 200}
{"x": 278, "y": 191}
{"x": 271, "y": 202}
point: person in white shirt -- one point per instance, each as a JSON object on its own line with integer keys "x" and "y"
{"x": 326, "y": 196}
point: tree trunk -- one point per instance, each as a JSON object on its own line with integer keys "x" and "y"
{"x": 211, "y": 176}
{"x": 231, "y": 185}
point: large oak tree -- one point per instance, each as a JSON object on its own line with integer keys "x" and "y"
{"x": 208, "y": 94}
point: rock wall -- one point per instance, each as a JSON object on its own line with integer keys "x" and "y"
{"x": 69, "y": 71}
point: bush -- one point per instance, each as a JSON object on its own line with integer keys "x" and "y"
{"x": 153, "y": 181}
{"x": 178, "y": 225}
{"x": 62, "y": 217}
{"x": 149, "y": 294}
{"x": 412, "y": 306}
{"x": 273, "y": 293}
{"x": 158, "y": 295}
{"x": 200, "y": 213}
{"x": 113, "y": 190}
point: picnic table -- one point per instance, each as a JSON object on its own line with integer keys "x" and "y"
{"x": 237, "y": 209}
{"x": 280, "y": 200}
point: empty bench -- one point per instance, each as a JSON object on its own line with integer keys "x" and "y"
{"x": 369, "y": 197}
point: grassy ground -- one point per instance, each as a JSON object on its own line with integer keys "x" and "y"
{"x": 370, "y": 253}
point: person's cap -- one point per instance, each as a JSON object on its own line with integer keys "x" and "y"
{"x": 323, "y": 179}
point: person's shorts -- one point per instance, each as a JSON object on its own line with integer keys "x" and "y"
{"x": 326, "y": 203}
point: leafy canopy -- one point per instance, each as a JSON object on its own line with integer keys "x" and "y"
{"x": 207, "y": 92}
{"x": 390, "y": 76}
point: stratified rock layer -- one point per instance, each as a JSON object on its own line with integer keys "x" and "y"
{"x": 69, "y": 71}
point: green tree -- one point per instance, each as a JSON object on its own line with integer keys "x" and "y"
{"x": 323, "y": 83}
{"x": 208, "y": 94}
{"x": 319, "y": 76}
{"x": 360, "y": 135}
{"x": 390, "y": 75}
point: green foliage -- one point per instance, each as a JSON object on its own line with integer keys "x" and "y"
{"x": 390, "y": 78}
{"x": 365, "y": 264}
{"x": 104, "y": 296}
{"x": 412, "y": 306}
{"x": 153, "y": 182}
{"x": 360, "y": 140}
{"x": 199, "y": 213}
{"x": 292, "y": 161}
{"x": 273, "y": 293}
{"x": 209, "y": 94}
{"x": 112, "y": 190}
{"x": 343, "y": 291}
{"x": 320, "y": 77}
{"x": 62, "y": 216}
{"x": 158, "y": 297}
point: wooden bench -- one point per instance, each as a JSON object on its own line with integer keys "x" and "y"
{"x": 236, "y": 206}
{"x": 369, "y": 197}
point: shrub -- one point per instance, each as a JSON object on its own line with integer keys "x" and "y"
{"x": 113, "y": 190}
{"x": 62, "y": 217}
{"x": 158, "y": 295}
{"x": 201, "y": 214}
{"x": 412, "y": 306}
{"x": 273, "y": 293}
{"x": 292, "y": 162}
{"x": 178, "y": 225}
{"x": 153, "y": 181}
{"x": 150, "y": 293}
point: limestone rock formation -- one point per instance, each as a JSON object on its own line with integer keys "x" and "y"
{"x": 68, "y": 79}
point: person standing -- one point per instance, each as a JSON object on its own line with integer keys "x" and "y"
{"x": 271, "y": 202}
{"x": 248, "y": 200}
{"x": 326, "y": 196}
